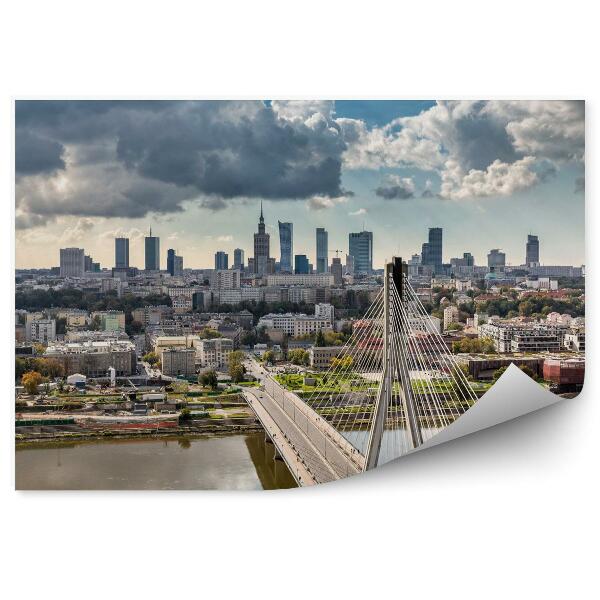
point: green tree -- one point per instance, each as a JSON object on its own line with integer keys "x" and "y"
{"x": 299, "y": 356}
{"x": 269, "y": 357}
{"x": 152, "y": 358}
{"x": 49, "y": 367}
{"x": 20, "y": 368}
{"x": 208, "y": 378}
{"x": 208, "y": 334}
{"x": 474, "y": 346}
{"x": 236, "y": 357}
{"x": 248, "y": 338}
{"x": 333, "y": 338}
{"x": 320, "y": 339}
{"x": 498, "y": 373}
{"x": 528, "y": 371}
{"x": 237, "y": 372}
{"x": 460, "y": 380}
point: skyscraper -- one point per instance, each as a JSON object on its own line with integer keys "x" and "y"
{"x": 360, "y": 247}
{"x": 286, "y": 242}
{"x": 221, "y": 261}
{"x": 171, "y": 261}
{"x": 301, "y": 264}
{"x": 337, "y": 270}
{"x": 72, "y": 262}
{"x": 431, "y": 251}
{"x": 238, "y": 259}
{"x": 178, "y": 266}
{"x": 152, "y": 253}
{"x": 532, "y": 251}
{"x": 121, "y": 253}
{"x": 349, "y": 267}
{"x": 261, "y": 247}
{"x": 496, "y": 260}
{"x": 322, "y": 250}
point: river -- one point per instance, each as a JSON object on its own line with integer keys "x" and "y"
{"x": 230, "y": 462}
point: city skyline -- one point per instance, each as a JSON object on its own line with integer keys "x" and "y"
{"x": 488, "y": 173}
{"x": 220, "y": 259}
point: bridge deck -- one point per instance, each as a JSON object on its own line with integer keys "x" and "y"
{"x": 304, "y": 461}
{"x": 320, "y": 448}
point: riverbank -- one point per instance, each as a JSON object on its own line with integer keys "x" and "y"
{"x": 59, "y": 436}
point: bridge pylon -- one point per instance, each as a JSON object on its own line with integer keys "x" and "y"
{"x": 395, "y": 372}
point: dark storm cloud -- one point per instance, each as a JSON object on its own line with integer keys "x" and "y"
{"x": 212, "y": 151}
{"x": 396, "y": 189}
{"x": 35, "y": 154}
{"x": 214, "y": 203}
{"x": 230, "y": 151}
{"x": 479, "y": 138}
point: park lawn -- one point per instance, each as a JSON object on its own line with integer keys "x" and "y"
{"x": 334, "y": 384}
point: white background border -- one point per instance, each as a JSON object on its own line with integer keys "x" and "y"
{"x": 511, "y": 512}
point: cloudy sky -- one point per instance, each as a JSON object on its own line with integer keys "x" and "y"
{"x": 488, "y": 172}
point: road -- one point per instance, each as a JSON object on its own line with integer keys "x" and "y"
{"x": 325, "y": 452}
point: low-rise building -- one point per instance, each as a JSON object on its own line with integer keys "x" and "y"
{"x": 565, "y": 372}
{"x": 178, "y": 361}
{"x": 483, "y": 366}
{"x": 321, "y": 356}
{"x": 110, "y": 320}
{"x": 575, "y": 340}
{"x": 93, "y": 359}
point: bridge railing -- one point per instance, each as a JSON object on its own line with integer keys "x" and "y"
{"x": 316, "y": 428}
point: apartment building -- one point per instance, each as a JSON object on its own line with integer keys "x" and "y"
{"x": 42, "y": 330}
{"x": 178, "y": 361}
{"x": 214, "y": 353}
{"x": 523, "y": 337}
{"x": 309, "y": 280}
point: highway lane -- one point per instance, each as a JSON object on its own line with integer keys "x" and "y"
{"x": 333, "y": 447}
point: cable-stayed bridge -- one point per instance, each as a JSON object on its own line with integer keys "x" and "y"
{"x": 392, "y": 386}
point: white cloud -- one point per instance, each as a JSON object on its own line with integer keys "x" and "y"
{"x": 554, "y": 130}
{"x": 303, "y": 110}
{"x": 79, "y": 231}
{"x": 324, "y": 202}
{"x": 225, "y": 238}
{"x": 133, "y": 233}
{"x": 481, "y": 148}
{"x": 499, "y": 179}
{"x": 380, "y": 147}
{"x": 358, "y": 213}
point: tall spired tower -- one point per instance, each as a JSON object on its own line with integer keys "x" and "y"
{"x": 261, "y": 247}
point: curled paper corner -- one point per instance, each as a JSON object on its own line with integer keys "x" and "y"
{"x": 513, "y": 395}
